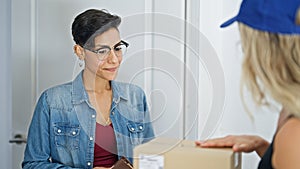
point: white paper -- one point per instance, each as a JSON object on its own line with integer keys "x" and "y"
{"x": 151, "y": 161}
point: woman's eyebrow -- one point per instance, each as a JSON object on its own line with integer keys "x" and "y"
{"x": 106, "y": 46}
{"x": 102, "y": 46}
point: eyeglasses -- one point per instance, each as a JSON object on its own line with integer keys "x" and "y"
{"x": 102, "y": 53}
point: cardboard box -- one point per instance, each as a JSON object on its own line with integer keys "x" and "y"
{"x": 165, "y": 153}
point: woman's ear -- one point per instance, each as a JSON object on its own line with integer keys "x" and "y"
{"x": 79, "y": 51}
{"x": 298, "y": 17}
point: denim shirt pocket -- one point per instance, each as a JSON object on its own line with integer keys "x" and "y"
{"x": 66, "y": 135}
{"x": 136, "y": 132}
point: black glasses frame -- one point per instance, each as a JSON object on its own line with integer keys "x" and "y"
{"x": 107, "y": 47}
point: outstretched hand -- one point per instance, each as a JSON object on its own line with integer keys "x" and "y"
{"x": 239, "y": 143}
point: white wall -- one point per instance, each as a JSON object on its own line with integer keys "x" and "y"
{"x": 167, "y": 95}
{"x": 5, "y": 85}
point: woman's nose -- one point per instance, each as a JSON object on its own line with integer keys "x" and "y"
{"x": 112, "y": 58}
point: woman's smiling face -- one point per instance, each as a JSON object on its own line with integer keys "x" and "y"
{"x": 106, "y": 69}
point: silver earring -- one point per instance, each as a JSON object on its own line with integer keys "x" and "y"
{"x": 80, "y": 63}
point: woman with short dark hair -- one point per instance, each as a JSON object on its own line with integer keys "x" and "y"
{"x": 92, "y": 121}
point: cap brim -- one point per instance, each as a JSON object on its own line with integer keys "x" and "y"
{"x": 228, "y": 22}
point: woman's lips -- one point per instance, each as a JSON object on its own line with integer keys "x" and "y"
{"x": 111, "y": 69}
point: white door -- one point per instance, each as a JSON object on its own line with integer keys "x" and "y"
{"x": 22, "y": 79}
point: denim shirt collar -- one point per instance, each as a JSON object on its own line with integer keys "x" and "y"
{"x": 79, "y": 94}
{"x": 118, "y": 92}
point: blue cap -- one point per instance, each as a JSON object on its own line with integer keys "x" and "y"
{"x": 276, "y": 16}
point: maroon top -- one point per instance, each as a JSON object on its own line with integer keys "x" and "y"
{"x": 105, "y": 146}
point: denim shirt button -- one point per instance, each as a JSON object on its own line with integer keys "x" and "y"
{"x": 91, "y": 138}
{"x": 141, "y": 127}
{"x": 88, "y": 163}
{"x": 93, "y": 116}
{"x": 113, "y": 113}
{"x": 74, "y": 133}
{"x": 132, "y": 129}
{"x": 59, "y": 130}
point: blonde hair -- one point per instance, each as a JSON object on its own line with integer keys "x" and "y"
{"x": 271, "y": 66}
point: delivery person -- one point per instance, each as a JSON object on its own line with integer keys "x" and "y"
{"x": 270, "y": 34}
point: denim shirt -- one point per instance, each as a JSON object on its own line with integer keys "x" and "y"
{"x": 62, "y": 130}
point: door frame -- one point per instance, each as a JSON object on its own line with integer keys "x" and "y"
{"x": 5, "y": 84}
